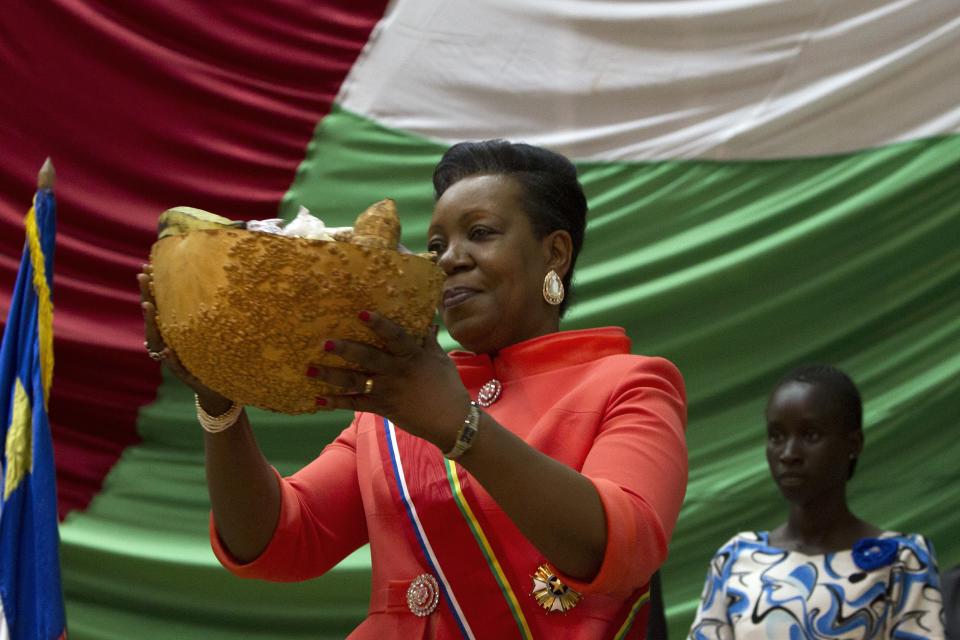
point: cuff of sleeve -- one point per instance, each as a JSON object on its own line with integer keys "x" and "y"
{"x": 633, "y": 551}
{"x": 261, "y": 565}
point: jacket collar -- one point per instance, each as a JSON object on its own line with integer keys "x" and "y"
{"x": 541, "y": 354}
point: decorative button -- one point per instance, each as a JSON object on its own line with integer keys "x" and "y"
{"x": 489, "y": 393}
{"x": 423, "y": 594}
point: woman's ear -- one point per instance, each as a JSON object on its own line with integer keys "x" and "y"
{"x": 558, "y": 251}
{"x": 856, "y": 440}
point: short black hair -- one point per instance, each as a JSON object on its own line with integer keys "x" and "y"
{"x": 838, "y": 390}
{"x": 552, "y": 195}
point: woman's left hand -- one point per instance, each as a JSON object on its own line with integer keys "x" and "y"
{"x": 411, "y": 382}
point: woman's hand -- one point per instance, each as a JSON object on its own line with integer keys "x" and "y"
{"x": 212, "y": 402}
{"x": 244, "y": 493}
{"x": 416, "y": 385}
{"x": 411, "y": 382}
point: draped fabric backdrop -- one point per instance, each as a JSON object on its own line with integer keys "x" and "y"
{"x": 771, "y": 182}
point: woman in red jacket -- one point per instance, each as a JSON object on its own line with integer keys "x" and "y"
{"x": 524, "y": 487}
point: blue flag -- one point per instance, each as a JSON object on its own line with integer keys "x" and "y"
{"x": 31, "y": 599}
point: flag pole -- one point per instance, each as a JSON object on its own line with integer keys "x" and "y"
{"x": 31, "y": 592}
{"x": 47, "y": 175}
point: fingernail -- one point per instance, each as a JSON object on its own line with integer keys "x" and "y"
{"x": 312, "y": 372}
{"x": 364, "y": 316}
{"x": 321, "y": 402}
{"x": 329, "y": 345}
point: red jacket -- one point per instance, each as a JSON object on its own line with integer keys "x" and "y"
{"x": 579, "y": 397}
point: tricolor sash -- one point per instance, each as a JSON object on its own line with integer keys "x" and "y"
{"x": 415, "y": 532}
{"x": 454, "y": 541}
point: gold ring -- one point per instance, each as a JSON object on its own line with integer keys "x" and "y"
{"x": 368, "y": 386}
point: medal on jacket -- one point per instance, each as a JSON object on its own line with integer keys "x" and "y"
{"x": 550, "y": 592}
{"x": 423, "y": 594}
{"x": 489, "y": 393}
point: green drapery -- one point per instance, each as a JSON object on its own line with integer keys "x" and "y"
{"x": 735, "y": 271}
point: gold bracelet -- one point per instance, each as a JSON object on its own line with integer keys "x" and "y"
{"x": 216, "y": 424}
{"x": 467, "y": 433}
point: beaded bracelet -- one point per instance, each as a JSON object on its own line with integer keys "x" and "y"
{"x": 216, "y": 424}
{"x": 466, "y": 434}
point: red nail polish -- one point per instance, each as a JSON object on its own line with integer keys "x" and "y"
{"x": 321, "y": 402}
{"x": 312, "y": 372}
{"x": 364, "y": 316}
{"x": 329, "y": 345}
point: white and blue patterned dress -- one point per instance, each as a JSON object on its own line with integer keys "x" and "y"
{"x": 885, "y": 587}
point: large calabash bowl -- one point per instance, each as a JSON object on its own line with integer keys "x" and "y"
{"x": 248, "y": 312}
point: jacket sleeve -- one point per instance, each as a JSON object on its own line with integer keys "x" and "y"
{"x": 638, "y": 463}
{"x": 321, "y": 518}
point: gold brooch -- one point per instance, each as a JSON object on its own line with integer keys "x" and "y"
{"x": 551, "y": 593}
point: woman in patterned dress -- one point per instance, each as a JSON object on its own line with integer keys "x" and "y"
{"x": 824, "y": 573}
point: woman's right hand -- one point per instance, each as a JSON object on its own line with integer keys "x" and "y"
{"x": 244, "y": 493}
{"x": 211, "y": 401}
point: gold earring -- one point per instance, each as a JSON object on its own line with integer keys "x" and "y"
{"x": 553, "y": 288}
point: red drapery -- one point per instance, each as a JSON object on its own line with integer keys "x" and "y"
{"x": 144, "y": 106}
